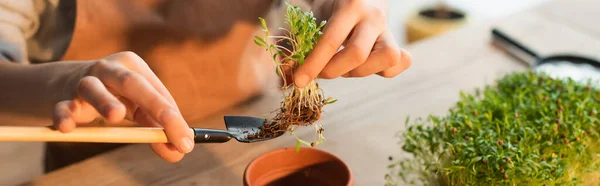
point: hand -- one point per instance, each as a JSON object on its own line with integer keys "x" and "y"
{"x": 369, "y": 46}
{"x": 122, "y": 86}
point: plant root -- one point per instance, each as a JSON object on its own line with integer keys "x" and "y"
{"x": 302, "y": 107}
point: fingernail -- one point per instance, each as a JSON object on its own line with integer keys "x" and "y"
{"x": 301, "y": 80}
{"x": 186, "y": 145}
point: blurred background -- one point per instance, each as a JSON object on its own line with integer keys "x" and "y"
{"x": 402, "y": 15}
{"x": 404, "y": 20}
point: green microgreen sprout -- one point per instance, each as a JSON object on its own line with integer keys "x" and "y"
{"x": 528, "y": 129}
{"x": 300, "y": 106}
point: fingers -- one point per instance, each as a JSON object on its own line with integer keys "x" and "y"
{"x": 370, "y": 49}
{"x": 132, "y": 61}
{"x": 405, "y": 62}
{"x": 166, "y": 151}
{"x": 122, "y": 85}
{"x": 62, "y": 118}
{"x": 356, "y": 51}
{"x": 377, "y": 62}
{"x": 386, "y": 59}
{"x": 67, "y": 114}
{"x": 391, "y": 52}
{"x": 334, "y": 33}
{"x": 140, "y": 91}
{"x": 94, "y": 92}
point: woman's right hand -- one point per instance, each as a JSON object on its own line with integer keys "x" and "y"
{"x": 122, "y": 86}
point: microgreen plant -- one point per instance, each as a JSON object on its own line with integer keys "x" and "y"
{"x": 528, "y": 129}
{"x": 300, "y": 106}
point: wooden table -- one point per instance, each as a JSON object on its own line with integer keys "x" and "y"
{"x": 360, "y": 127}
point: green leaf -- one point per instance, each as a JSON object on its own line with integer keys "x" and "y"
{"x": 264, "y": 23}
{"x": 476, "y": 159}
{"x": 260, "y": 39}
{"x": 332, "y": 101}
{"x": 297, "y": 145}
{"x": 296, "y": 56}
{"x": 258, "y": 43}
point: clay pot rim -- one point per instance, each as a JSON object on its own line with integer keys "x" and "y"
{"x": 280, "y": 150}
{"x": 418, "y": 14}
{"x": 460, "y": 15}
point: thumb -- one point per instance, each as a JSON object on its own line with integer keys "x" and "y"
{"x": 166, "y": 151}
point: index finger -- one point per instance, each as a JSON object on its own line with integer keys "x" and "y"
{"x": 134, "y": 62}
{"x": 136, "y": 88}
{"x": 334, "y": 34}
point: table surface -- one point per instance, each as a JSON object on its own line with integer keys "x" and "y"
{"x": 361, "y": 127}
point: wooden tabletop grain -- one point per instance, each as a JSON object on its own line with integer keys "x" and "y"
{"x": 360, "y": 127}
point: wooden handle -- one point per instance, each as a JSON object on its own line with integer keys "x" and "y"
{"x": 84, "y": 134}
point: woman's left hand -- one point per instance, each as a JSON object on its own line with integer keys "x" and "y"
{"x": 369, "y": 46}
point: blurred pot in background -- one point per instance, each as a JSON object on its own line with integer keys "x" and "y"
{"x": 432, "y": 21}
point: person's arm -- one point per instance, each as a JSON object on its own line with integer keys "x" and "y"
{"x": 119, "y": 86}
{"x": 23, "y": 88}
{"x": 35, "y": 89}
{"x": 369, "y": 46}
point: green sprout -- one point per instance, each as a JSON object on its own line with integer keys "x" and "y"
{"x": 529, "y": 129}
{"x": 300, "y": 106}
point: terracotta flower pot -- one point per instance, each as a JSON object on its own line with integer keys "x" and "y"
{"x": 309, "y": 166}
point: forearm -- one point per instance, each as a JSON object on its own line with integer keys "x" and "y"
{"x": 35, "y": 89}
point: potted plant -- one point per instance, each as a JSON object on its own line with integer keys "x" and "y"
{"x": 528, "y": 129}
{"x": 433, "y": 20}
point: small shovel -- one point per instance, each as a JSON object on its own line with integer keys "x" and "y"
{"x": 238, "y": 127}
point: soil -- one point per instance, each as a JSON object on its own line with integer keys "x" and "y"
{"x": 282, "y": 122}
{"x": 442, "y": 12}
{"x": 268, "y": 130}
{"x": 325, "y": 174}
